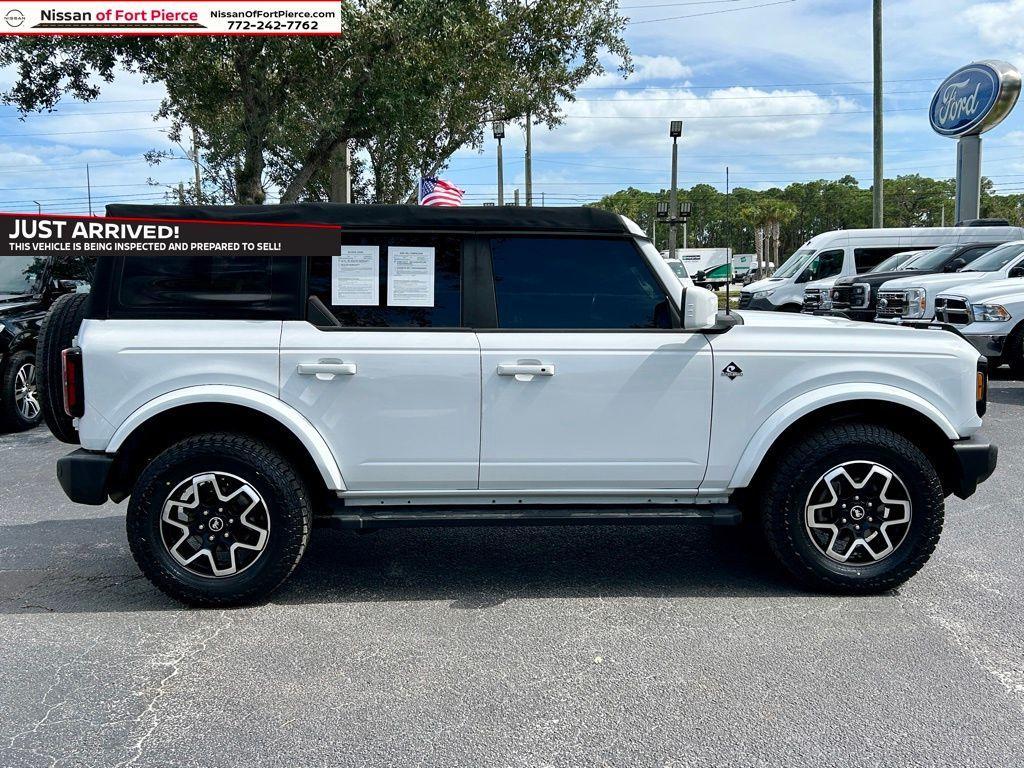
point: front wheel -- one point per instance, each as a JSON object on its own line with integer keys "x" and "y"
{"x": 219, "y": 519}
{"x": 853, "y": 508}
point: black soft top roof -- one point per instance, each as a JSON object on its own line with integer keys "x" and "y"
{"x": 469, "y": 218}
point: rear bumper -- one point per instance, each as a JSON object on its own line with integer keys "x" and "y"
{"x": 83, "y": 475}
{"x": 975, "y": 463}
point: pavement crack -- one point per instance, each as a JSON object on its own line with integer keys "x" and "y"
{"x": 150, "y": 716}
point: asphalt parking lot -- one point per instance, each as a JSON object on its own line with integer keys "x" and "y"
{"x": 589, "y": 646}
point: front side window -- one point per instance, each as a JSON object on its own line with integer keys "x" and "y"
{"x": 575, "y": 283}
{"x": 826, "y": 264}
{"x": 391, "y": 281}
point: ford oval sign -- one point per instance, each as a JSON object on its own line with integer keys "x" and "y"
{"x": 975, "y": 98}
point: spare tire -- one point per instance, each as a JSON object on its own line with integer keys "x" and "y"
{"x": 57, "y": 333}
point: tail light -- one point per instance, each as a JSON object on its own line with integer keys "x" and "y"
{"x": 74, "y": 382}
{"x": 981, "y": 386}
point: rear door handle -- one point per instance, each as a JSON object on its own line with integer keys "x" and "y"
{"x": 326, "y": 370}
{"x": 526, "y": 371}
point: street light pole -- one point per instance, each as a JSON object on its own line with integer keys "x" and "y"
{"x": 661, "y": 212}
{"x": 499, "y": 134}
{"x": 879, "y": 170}
{"x": 675, "y": 130}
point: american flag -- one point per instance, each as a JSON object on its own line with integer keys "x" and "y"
{"x": 440, "y": 192}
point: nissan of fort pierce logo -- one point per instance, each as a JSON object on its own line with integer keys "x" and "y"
{"x": 14, "y": 18}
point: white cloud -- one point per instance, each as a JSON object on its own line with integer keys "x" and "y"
{"x": 999, "y": 25}
{"x": 645, "y": 70}
{"x": 639, "y": 118}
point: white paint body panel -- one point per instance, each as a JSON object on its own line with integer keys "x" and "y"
{"x": 794, "y": 364}
{"x": 128, "y": 363}
{"x": 622, "y": 410}
{"x": 409, "y": 418}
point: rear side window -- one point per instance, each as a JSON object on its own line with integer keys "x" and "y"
{"x": 867, "y": 259}
{"x": 206, "y": 284}
{"x": 575, "y": 283}
{"x": 391, "y": 281}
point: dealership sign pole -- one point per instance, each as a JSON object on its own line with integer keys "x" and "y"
{"x": 972, "y": 100}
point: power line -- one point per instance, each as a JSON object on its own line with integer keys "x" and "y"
{"x": 713, "y": 13}
{"x": 936, "y": 79}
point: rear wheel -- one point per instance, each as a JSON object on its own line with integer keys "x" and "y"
{"x": 57, "y": 333}
{"x": 219, "y": 519}
{"x": 19, "y": 399}
{"x": 853, "y": 508}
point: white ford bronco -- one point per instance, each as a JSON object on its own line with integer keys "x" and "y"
{"x": 493, "y": 365}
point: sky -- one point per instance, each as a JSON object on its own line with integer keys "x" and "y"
{"x": 777, "y": 90}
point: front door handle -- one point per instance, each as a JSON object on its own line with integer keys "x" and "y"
{"x": 525, "y": 371}
{"x": 326, "y": 370}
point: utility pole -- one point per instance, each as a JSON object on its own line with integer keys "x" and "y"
{"x": 88, "y": 187}
{"x": 675, "y": 130}
{"x": 529, "y": 162}
{"x": 195, "y": 163}
{"x": 879, "y": 170}
{"x": 499, "y": 134}
{"x": 516, "y": 199}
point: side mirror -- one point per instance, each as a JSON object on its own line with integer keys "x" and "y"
{"x": 700, "y": 309}
{"x": 1017, "y": 271}
{"x": 955, "y": 265}
{"x": 700, "y": 276}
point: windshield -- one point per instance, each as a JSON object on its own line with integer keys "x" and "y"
{"x": 18, "y": 273}
{"x": 678, "y": 268}
{"x": 997, "y": 258}
{"x": 896, "y": 261}
{"x": 935, "y": 259}
{"x": 794, "y": 263}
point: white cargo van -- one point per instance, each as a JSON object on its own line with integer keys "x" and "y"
{"x": 852, "y": 252}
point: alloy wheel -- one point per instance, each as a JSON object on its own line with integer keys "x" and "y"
{"x": 26, "y": 397}
{"x": 215, "y": 524}
{"x": 858, "y": 513}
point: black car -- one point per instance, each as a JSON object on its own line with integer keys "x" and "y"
{"x": 856, "y": 295}
{"x": 28, "y": 286}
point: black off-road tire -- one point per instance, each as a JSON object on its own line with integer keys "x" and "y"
{"x": 1013, "y": 352}
{"x": 56, "y": 333}
{"x": 795, "y": 473}
{"x": 11, "y": 416}
{"x": 271, "y": 474}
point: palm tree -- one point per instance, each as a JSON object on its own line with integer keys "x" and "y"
{"x": 766, "y": 217}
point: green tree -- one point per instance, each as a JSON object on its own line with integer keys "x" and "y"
{"x": 411, "y": 80}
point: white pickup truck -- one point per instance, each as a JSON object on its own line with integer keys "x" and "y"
{"x": 558, "y": 373}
